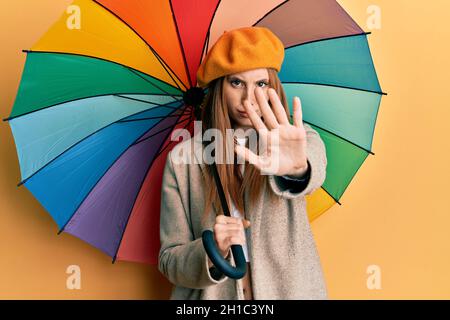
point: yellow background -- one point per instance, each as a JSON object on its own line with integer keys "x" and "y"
{"x": 394, "y": 214}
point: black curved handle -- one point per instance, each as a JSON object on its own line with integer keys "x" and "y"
{"x": 220, "y": 262}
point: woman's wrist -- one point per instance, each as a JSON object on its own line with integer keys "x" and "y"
{"x": 301, "y": 173}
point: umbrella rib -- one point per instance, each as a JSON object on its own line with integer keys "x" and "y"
{"x": 269, "y": 12}
{"x": 161, "y": 61}
{"x": 190, "y": 118}
{"x": 155, "y": 117}
{"x": 87, "y": 194}
{"x": 150, "y": 47}
{"x": 151, "y": 83}
{"x": 336, "y": 86}
{"x": 205, "y": 52}
{"x": 149, "y": 118}
{"x": 181, "y": 44}
{"x": 75, "y": 144}
{"x": 206, "y": 42}
{"x": 142, "y": 183}
{"x": 334, "y": 134}
{"x": 337, "y": 201}
{"x": 145, "y": 101}
{"x": 329, "y": 38}
{"x": 349, "y": 182}
{"x": 81, "y": 98}
{"x": 157, "y": 132}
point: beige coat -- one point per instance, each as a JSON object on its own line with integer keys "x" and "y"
{"x": 284, "y": 260}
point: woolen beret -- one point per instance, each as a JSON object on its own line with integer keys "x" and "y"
{"x": 240, "y": 50}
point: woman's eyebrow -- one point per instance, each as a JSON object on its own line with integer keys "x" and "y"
{"x": 237, "y": 78}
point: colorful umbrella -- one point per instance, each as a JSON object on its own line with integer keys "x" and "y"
{"x": 97, "y": 105}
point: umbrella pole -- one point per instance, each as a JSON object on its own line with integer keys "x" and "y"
{"x": 210, "y": 245}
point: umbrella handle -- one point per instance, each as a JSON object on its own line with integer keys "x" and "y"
{"x": 220, "y": 262}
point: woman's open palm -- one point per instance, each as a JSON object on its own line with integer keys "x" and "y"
{"x": 282, "y": 145}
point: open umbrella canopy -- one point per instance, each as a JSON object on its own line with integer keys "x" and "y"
{"x": 97, "y": 104}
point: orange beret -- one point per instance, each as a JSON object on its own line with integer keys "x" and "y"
{"x": 240, "y": 50}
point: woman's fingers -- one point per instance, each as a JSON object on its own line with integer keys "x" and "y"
{"x": 231, "y": 237}
{"x": 298, "y": 114}
{"x": 277, "y": 107}
{"x": 224, "y": 228}
{"x": 226, "y": 238}
{"x": 229, "y": 231}
{"x": 273, "y": 116}
{"x": 254, "y": 118}
{"x": 223, "y": 219}
{"x": 269, "y": 117}
{"x": 248, "y": 155}
{"x": 235, "y": 240}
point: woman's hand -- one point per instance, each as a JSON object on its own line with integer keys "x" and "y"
{"x": 283, "y": 149}
{"x": 229, "y": 231}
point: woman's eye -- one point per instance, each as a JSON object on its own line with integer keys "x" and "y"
{"x": 233, "y": 82}
{"x": 264, "y": 83}
{"x": 260, "y": 84}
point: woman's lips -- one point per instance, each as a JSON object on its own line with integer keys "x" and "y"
{"x": 243, "y": 114}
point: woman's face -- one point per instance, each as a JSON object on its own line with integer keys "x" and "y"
{"x": 239, "y": 87}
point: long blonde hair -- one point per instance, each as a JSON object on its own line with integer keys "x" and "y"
{"x": 214, "y": 114}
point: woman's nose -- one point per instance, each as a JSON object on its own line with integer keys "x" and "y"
{"x": 250, "y": 96}
{"x": 251, "y": 102}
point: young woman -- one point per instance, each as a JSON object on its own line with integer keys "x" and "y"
{"x": 267, "y": 201}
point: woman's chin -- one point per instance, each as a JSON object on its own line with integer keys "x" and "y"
{"x": 245, "y": 121}
{"x": 241, "y": 122}
{"x": 244, "y": 125}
